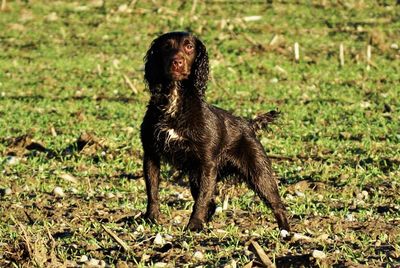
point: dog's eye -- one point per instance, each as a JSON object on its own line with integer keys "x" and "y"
{"x": 189, "y": 47}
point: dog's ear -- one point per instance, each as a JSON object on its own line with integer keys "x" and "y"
{"x": 200, "y": 69}
{"x": 152, "y": 67}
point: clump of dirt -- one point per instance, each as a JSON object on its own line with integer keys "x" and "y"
{"x": 23, "y": 145}
{"x": 86, "y": 144}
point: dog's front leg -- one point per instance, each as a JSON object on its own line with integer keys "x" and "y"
{"x": 151, "y": 170}
{"x": 202, "y": 187}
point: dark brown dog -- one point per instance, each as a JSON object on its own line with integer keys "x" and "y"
{"x": 204, "y": 141}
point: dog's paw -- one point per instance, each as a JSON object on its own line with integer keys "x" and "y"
{"x": 152, "y": 215}
{"x": 195, "y": 225}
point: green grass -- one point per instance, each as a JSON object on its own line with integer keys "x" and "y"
{"x": 336, "y": 149}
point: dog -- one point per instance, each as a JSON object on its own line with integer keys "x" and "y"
{"x": 205, "y": 142}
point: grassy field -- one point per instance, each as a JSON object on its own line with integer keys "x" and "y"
{"x": 72, "y": 99}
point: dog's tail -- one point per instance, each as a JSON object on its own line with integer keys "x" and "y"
{"x": 262, "y": 121}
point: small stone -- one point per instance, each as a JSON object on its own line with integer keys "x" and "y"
{"x": 274, "y": 80}
{"x": 350, "y": 217}
{"x": 93, "y": 263}
{"x": 7, "y": 191}
{"x": 74, "y": 190}
{"x": 298, "y": 236}
{"x": 12, "y": 160}
{"x": 68, "y": 177}
{"x": 323, "y": 237}
{"x": 198, "y": 255}
{"x": 129, "y": 130}
{"x": 394, "y": 46}
{"x": 284, "y": 233}
{"x": 168, "y": 237}
{"x": 110, "y": 195}
{"x": 317, "y": 254}
{"x": 300, "y": 194}
{"x": 365, "y": 194}
{"x": 218, "y": 210}
{"x": 289, "y": 197}
{"x": 58, "y": 191}
{"x": 83, "y": 258}
{"x": 159, "y": 240}
{"x": 177, "y": 220}
{"x": 52, "y": 17}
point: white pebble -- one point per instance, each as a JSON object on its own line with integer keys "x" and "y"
{"x": 323, "y": 237}
{"x": 110, "y": 195}
{"x": 7, "y": 191}
{"x": 284, "y": 233}
{"x": 58, "y": 191}
{"x": 274, "y": 80}
{"x": 289, "y": 197}
{"x": 12, "y": 160}
{"x": 298, "y": 236}
{"x": 350, "y": 217}
{"x": 74, "y": 190}
{"x": 218, "y": 210}
{"x": 180, "y": 196}
{"x": 83, "y": 258}
{"x": 394, "y": 46}
{"x": 300, "y": 194}
{"x": 198, "y": 255}
{"x": 168, "y": 237}
{"x": 159, "y": 240}
{"x": 177, "y": 220}
{"x": 94, "y": 263}
{"x": 160, "y": 264}
{"x": 317, "y": 254}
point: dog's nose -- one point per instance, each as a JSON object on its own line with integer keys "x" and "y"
{"x": 177, "y": 62}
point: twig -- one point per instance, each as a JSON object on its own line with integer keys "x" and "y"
{"x": 341, "y": 55}
{"x": 116, "y": 238}
{"x": 193, "y": 10}
{"x": 132, "y": 4}
{"x": 368, "y": 57}
{"x": 253, "y": 42}
{"x": 25, "y": 237}
{"x": 296, "y": 52}
{"x": 3, "y": 5}
{"x": 274, "y": 40}
{"x": 262, "y": 255}
{"x": 130, "y": 84}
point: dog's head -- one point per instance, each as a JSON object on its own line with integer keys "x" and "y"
{"x": 177, "y": 56}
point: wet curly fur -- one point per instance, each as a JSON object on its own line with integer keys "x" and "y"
{"x": 202, "y": 140}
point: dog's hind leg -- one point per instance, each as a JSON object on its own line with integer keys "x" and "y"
{"x": 257, "y": 170}
{"x": 264, "y": 184}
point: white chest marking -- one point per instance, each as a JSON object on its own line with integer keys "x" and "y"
{"x": 172, "y": 135}
{"x": 173, "y": 103}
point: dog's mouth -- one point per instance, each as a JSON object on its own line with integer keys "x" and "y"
{"x": 177, "y": 75}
